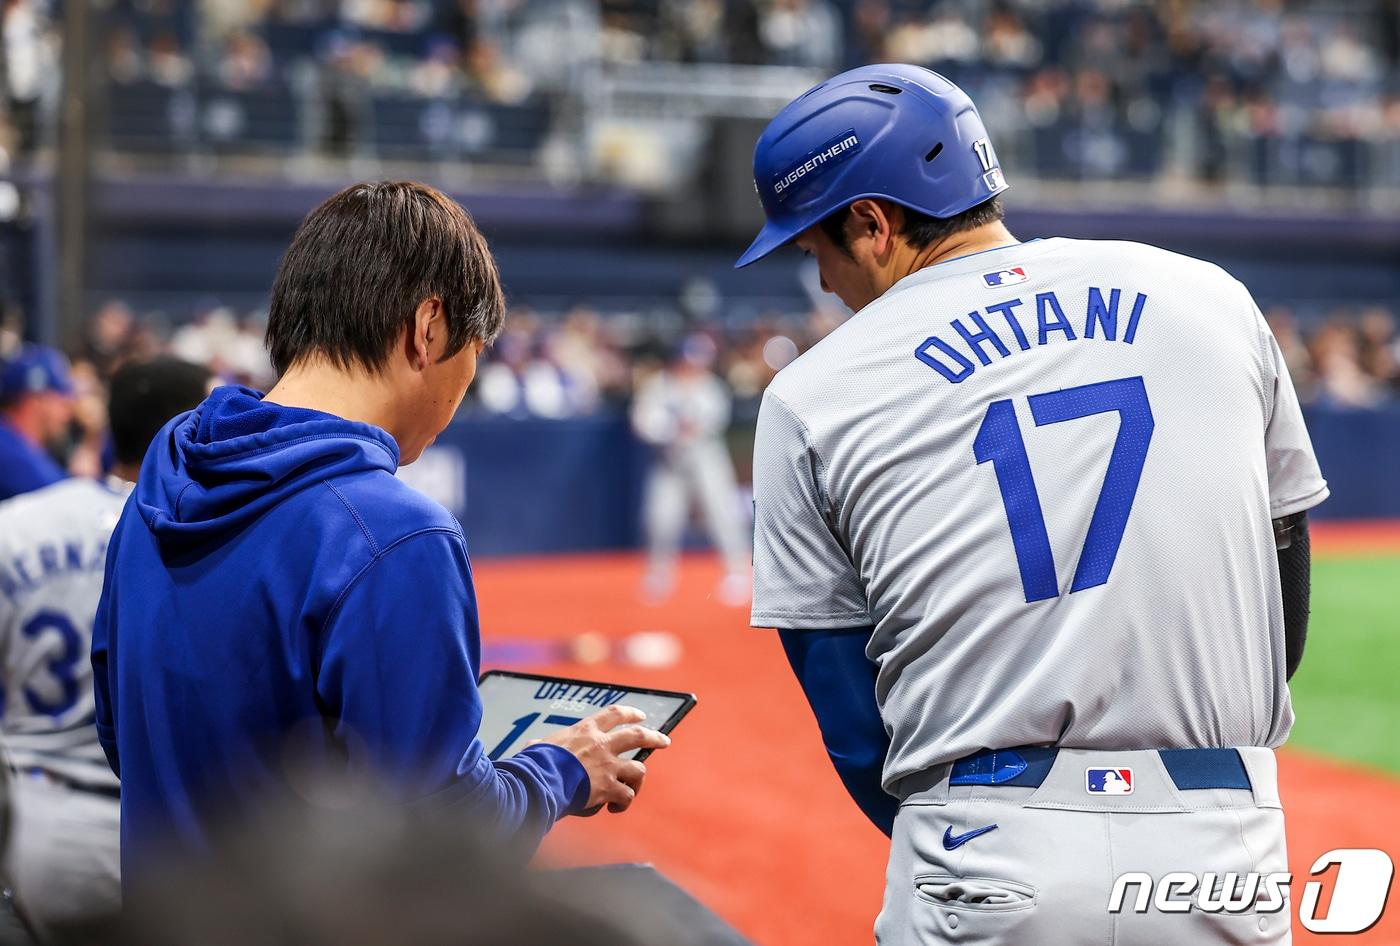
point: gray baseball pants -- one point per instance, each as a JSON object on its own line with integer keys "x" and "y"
{"x": 1044, "y": 876}
{"x": 64, "y": 854}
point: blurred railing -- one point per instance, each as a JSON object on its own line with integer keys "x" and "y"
{"x": 291, "y": 118}
{"x": 1085, "y": 96}
{"x": 649, "y": 125}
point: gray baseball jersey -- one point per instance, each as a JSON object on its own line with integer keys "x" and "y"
{"x": 53, "y": 546}
{"x": 1045, "y": 475}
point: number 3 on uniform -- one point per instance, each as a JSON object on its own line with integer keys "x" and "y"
{"x": 999, "y": 440}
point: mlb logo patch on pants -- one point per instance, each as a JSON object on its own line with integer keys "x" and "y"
{"x": 1106, "y": 781}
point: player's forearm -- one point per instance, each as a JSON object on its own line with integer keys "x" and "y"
{"x": 518, "y": 798}
{"x": 1295, "y": 577}
{"x": 861, "y": 775}
{"x": 521, "y": 797}
{"x": 839, "y": 682}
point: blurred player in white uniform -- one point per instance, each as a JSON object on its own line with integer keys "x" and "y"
{"x": 683, "y": 412}
{"x": 63, "y": 862}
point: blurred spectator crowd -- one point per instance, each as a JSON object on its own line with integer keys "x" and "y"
{"x": 580, "y": 362}
{"x": 230, "y": 344}
{"x": 431, "y": 48}
{"x": 1349, "y": 359}
{"x": 1267, "y": 91}
{"x": 561, "y": 365}
{"x": 577, "y": 364}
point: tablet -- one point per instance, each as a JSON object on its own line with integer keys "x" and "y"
{"x": 519, "y": 707}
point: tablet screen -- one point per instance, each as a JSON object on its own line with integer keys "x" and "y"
{"x": 520, "y": 707}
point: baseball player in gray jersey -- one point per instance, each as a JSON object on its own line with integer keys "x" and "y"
{"x": 682, "y": 411}
{"x": 63, "y": 856}
{"x": 1031, "y": 528}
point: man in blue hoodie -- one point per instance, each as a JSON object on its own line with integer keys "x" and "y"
{"x": 277, "y": 603}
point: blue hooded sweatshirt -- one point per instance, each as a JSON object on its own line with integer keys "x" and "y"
{"x": 276, "y": 602}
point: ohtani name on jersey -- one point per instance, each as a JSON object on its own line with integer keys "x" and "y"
{"x": 50, "y": 560}
{"x": 1025, "y": 323}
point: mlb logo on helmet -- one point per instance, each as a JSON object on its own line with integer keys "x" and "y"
{"x": 1108, "y": 781}
{"x": 1005, "y": 277}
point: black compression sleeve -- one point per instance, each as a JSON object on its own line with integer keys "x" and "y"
{"x": 1295, "y": 575}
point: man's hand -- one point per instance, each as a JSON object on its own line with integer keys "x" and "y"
{"x": 612, "y": 781}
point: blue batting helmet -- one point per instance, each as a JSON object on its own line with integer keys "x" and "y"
{"x": 899, "y": 132}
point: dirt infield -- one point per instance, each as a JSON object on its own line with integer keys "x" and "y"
{"x": 1329, "y": 806}
{"x": 745, "y": 811}
{"x": 1343, "y": 539}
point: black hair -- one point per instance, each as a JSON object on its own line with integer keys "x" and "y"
{"x": 921, "y": 230}
{"x": 144, "y": 395}
{"x": 361, "y": 264}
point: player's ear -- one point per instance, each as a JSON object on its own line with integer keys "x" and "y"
{"x": 427, "y": 332}
{"x": 891, "y": 223}
{"x": 872, "y": 220}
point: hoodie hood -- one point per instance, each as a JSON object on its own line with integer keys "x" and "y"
{"x": 223, "y": 464}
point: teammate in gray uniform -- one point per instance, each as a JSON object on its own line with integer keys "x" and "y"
{"x": 1021, "y": 522}
{"x": 63, "y": 856}
{"x": 683, "y": 412}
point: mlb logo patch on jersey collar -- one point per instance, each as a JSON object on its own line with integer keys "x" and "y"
{"x": 1005, "y": 277}
{"x": 1105, "y": 781}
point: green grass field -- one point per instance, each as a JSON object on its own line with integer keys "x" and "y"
{"x": 1347, "y": 691}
